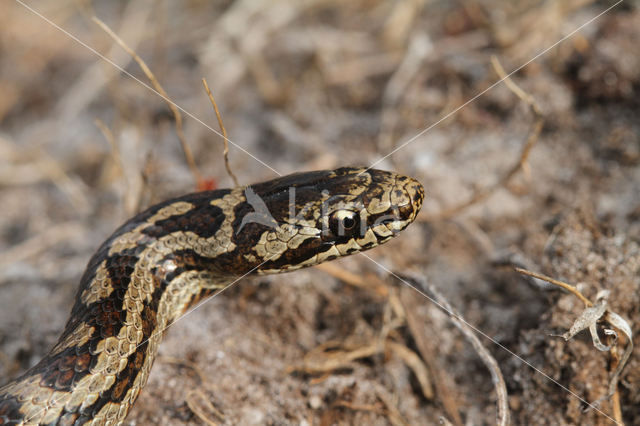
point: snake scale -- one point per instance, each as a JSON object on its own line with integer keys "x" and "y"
{"x": 175, "y": 254}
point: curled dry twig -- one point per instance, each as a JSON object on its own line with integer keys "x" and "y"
{"x": 592, "y": 314}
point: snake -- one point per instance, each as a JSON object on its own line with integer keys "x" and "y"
{"x": 174, "y": 255}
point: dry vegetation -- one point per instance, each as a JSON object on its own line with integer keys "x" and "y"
{"x": 317, "y": 84}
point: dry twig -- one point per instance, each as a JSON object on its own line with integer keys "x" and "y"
{"x": 369, "y": 281}
{"x": 196, "y": 399}
{"x": 428, "y": 348}
{"x": 317, "y": 361}
{"x": 156, "y": 84}
{"x": 484, "y": 193}
{"x": 393, "y": 414}
{"x": 593, "y": 313}
{"x": 115, "y": 151}
{"x": 417, "y": 366}
{"x": 559, "y": 283}
{"x": 224, "y": 133}
{"x": 503, "y": 416}
{"x": 202, "y": 407}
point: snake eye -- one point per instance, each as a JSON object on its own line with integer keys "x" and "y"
{"x": 344, "y": 223}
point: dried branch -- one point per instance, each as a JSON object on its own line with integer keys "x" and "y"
{"x": 532, "y": 139}
{"x": 156, "y": 84}
{"x": 593, "y": 313}
{"x": 503, "y": 415}
{"x": 559, "y": 283}
{"x": 224, "y": 133}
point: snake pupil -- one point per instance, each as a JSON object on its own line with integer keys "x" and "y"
{"x": 349, "y": 223}
{"x": 344, "y": 223}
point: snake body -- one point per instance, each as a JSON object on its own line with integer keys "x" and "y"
{"x": 175, "y": 254}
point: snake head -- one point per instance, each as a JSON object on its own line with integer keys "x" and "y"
{"x": 307, "y": 218}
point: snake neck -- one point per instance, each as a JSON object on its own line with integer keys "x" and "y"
{"x": 134, "y": 287}
{"x": 103, "y": 358}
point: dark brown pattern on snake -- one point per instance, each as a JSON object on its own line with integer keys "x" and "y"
{"x": 176, "y": 253}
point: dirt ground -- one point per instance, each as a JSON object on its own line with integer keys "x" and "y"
{"x": 316, "y": 84}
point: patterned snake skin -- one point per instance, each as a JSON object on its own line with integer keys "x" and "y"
{"x": 174, "y": 254}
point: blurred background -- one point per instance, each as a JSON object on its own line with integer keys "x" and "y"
{"x": 316, "y": 84}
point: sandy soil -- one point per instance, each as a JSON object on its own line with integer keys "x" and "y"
{"x": 316, "y": 84}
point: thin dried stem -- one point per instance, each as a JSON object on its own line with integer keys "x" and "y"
{"x": 224, "y": 133}
{"x": 562, "y": 284}
{"x": 199, "y": 403}
{"x": 156, "y": 84}
{"x": 526, "y": 97}
{"x": 615, "y": 398}
{"x": 415, "y": 363}
{"x": 533, "y": 137}
{"x": 502, "y": 404}
{"x": 393, "y": 413}
{"x": 428, "y": 346}
{"x": 370, "y": 281}
{"x": 115, "y": 151}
